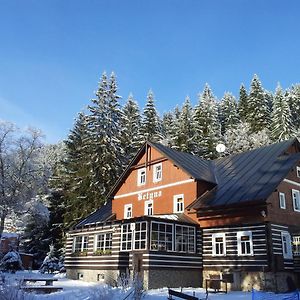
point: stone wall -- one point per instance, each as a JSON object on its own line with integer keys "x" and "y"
{"x": 172, "y": 278}
{"x": 264, "y": 281}
{"x": 105, "y": 276}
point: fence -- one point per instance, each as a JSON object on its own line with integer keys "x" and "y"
{"x": 257, "y": 295}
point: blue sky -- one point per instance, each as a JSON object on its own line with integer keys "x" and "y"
{"x": 53, "y": 52}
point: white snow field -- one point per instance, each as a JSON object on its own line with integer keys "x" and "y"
{"x": 80, "y": 290}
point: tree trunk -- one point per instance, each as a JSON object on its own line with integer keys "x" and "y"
{"x": 2, "y": 220}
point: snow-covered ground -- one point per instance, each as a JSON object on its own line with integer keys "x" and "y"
{"x": 80, "y": 290}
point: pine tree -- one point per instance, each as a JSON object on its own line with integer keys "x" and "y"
{"x": 106, "y": 154}
{"x": 241, "y": 139}
{"x": 168, "y": 129}
{"x": 282, "y": 128}
{"x": 243, "y": 105}
{"x": 207, "y": 126}
{"x": 294, "y": 103}
{"x": 185, "y": 128}
{"x": 75, "y": 179}
{"x": 258, "y": 114}
{"x": 150, "y": 121}
{"x": 229, "y": 113}
{"x": 132, "y": 138}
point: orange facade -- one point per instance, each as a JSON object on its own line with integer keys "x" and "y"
{"x": 173, "y": 182}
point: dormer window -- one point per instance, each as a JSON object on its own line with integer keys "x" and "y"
{"x": 157, "y": 172}
{"x": 141, "y": 179}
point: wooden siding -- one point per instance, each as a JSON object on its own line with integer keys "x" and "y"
{"x": 259, "y": 259}
{"x": 282, "y": 263}
{"x": 287, "y": 216}
{"x": 169, "y": 260}
{"x": 115, "y": 260}
{"x": 123, "y": 259}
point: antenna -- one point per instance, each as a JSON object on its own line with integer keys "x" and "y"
{"x": 220, "y": 148}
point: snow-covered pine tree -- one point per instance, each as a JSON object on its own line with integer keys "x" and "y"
{"x": 243, "y": 104}
{"x": 269, "y": 100}
{"x": 294, "y": 102}
{"x": 75, "y": 178}
{"x": 168, "y": 129}
{"x": 184, "y": 128}
{"x": 151, "y": 128}
{"x": 282, "y": 127}
{"x": 229, "y": 113}
{"x": 106, "y": 154}
{"x": 132, "y": 138}
{"x": 259, "y": 113}
{"x": 207, "y": 126}
{"x": 240, "y": 139}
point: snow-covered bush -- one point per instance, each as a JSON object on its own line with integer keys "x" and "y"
{"x": 11, "y": 290}
{"x": 51, "y": 263}
{"x": 11, "y": 261}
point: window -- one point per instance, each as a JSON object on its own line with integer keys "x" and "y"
{"x": 298, "y": 171}
{"x": 185, "y": 239}
{"x": 218, "y": 244}
{"x": 103, "y": 241}
{"x": 133, "y": 236}
{"x": 244, "y": 243}
{"x": 126, "y": 233}
{"x": 282, "y": 200}
{"x": 296, "y": 199}
{"x": 178, "y": 204}
{"x": 161, "y": 236}
{"x": 149, "y": 208}
{"x": 140, "y": 235}
{"x": 141, "y": 180}
{"x": 157, "y": 172}
{"x": 80, "y": 243}
{"x": 296, "y": 245}
{"x": 286, "y": 245}
{"x": 127, "y": 211}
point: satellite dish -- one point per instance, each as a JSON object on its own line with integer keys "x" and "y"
{"x": 220, "y": 148}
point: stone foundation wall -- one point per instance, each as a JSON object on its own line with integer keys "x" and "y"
{"x": 245, "y": 281}
{"x": 154, "y": 279}
{"x": 105, "y": 276}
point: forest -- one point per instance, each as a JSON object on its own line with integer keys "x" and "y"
{"x": 46, "y": 189}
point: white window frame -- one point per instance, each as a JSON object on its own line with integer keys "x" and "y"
{"x": 126, "y": 207}
{"x": 190, "y": 243}
{"x": 282, "y": 202}
{"x": 128, "y": 240}
{"x": 175, "y": 203}
{"x": 214, "y": 237}
{"x": 82, "y": 243}
{"x": 160, "y": 234}
{"x": 296, "y": 245}
{"x": 296, "y": 198}
{"x": 298, "y": 171}
{"x": 147, "y": 208}
{"x": 286, "y": 239}
{"x": 138, "y": 233}
{"x": 239, "y": 236}
{"x": 106, "y": 235}
{"x": 140, "y": 176}
{"x": 155, "y": 172}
